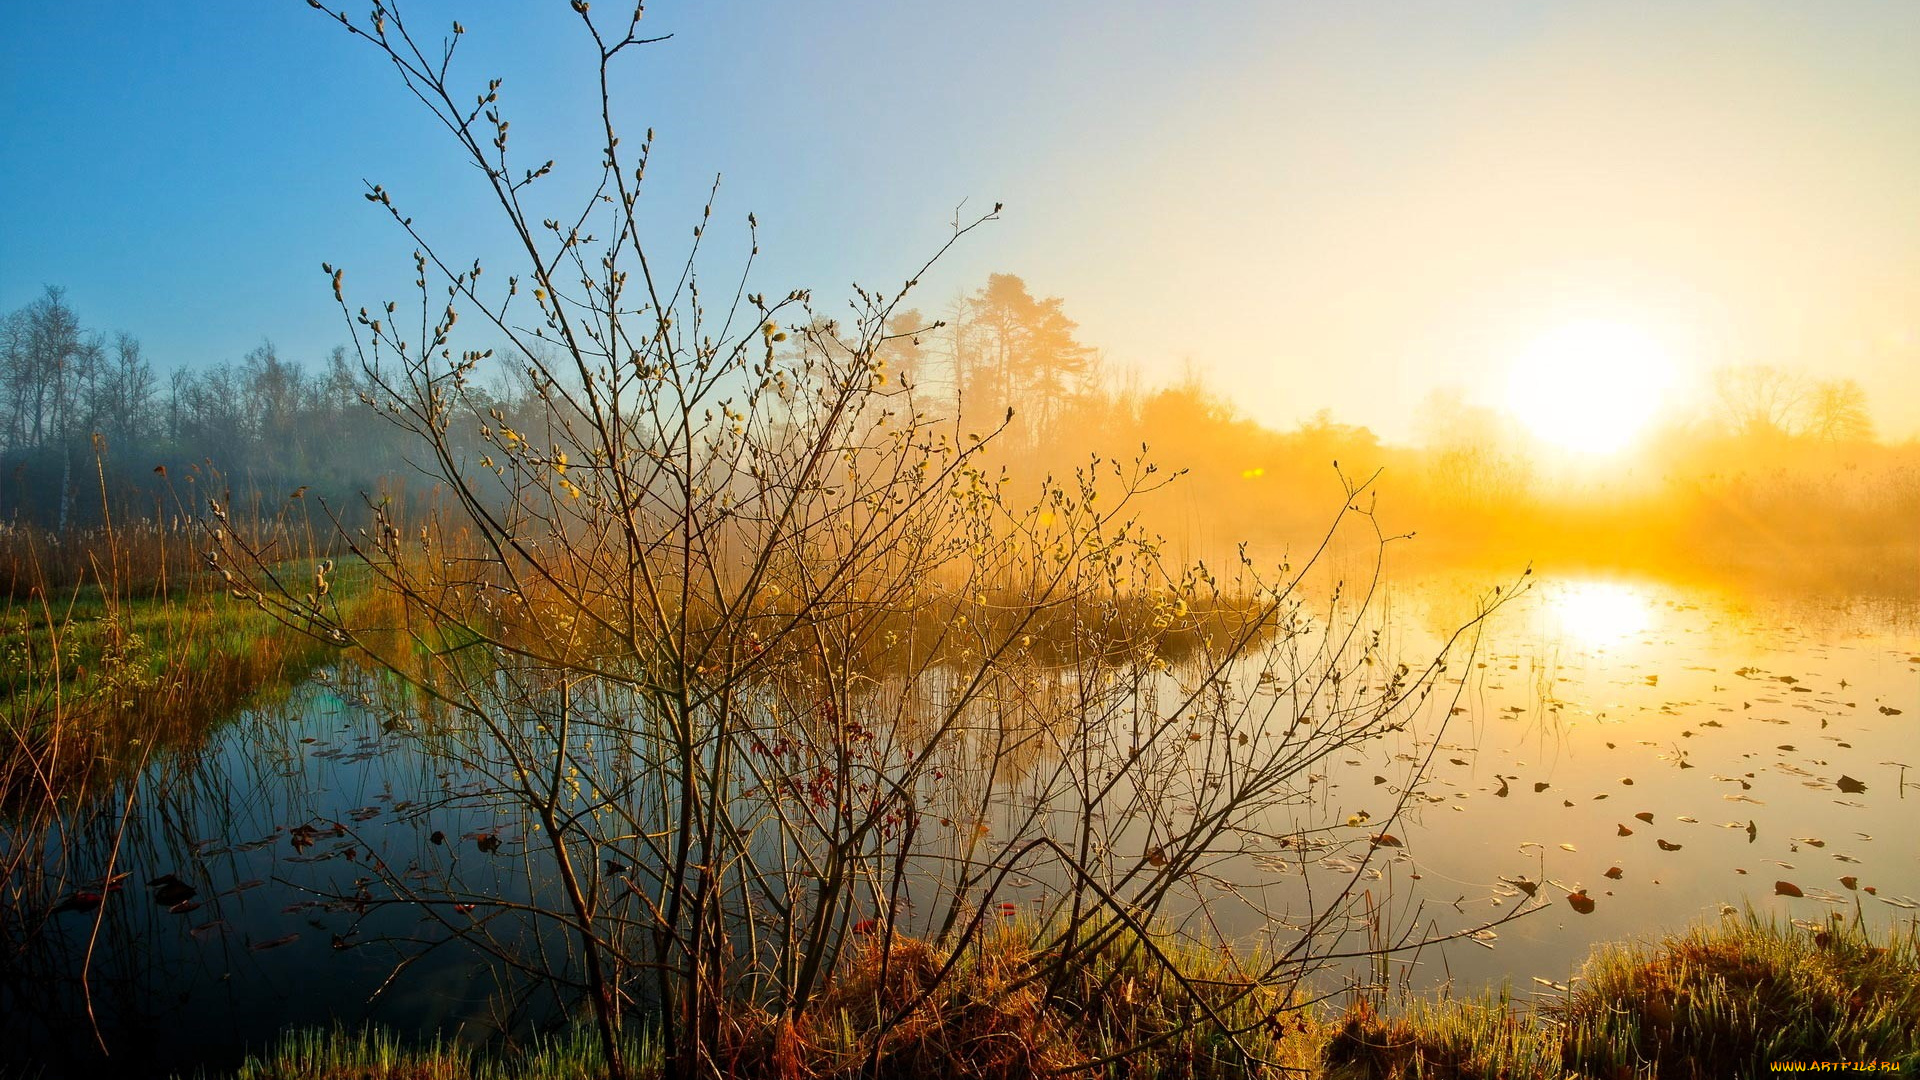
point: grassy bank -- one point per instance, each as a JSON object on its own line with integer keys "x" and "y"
{"x": 94, "y": 674}
{"x": 1719, "y": 1001}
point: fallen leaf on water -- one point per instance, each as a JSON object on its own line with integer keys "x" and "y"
{"x": 1645, "y": 816}
{"x": 1786, "y": 888}
{"x": 1850, "y": 882}
{"x": 1849, "y": 785}
{"x": 1615, "y": 873}
{"x": 1568, "y": 847}
{"x": 276, "y": 942}
{"x": 1581, "y": 902}
{"x": 1624, "y": 831}
{"x": 1540, "y": 787}
{"x": 1889, "y": 710}
{"x": 1665, "y": 846}
{"x": 1627, "y": 780}
{"x": 1387, "y": 840}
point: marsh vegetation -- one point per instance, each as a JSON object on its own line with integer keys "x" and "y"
{"x": 729, "y": 689}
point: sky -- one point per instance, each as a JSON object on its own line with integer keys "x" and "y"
{"x": 1315, "y": 205}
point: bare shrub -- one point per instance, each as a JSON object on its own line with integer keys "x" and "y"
{"x": 764, "y": 664}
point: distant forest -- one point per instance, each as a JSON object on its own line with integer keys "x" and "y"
{"x": 1779, "y": 473}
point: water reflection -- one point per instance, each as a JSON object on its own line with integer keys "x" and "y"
{"x": 1599, "y": 614}
{"x": 1653, "y": 752}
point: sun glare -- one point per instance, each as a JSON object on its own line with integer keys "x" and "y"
{"x": 1590, "y": 387}
{"x": 1601, "y": 614}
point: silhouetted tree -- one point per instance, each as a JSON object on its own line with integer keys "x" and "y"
{"x": 1837, "y": 412}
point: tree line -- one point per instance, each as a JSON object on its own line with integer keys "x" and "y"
{"x": 85, "y": 414}
{"x": 1769, "y": 445}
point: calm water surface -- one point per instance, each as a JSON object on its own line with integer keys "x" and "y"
{"x": 1665, "y": 752}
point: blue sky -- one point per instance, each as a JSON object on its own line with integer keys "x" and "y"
{"x": 1321, "y": 205}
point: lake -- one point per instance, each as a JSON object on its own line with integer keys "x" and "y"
{"x": 1655, "y": 752}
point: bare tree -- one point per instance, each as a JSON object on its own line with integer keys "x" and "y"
{"x": 1837, "y": 411}
{"x": 1760, "y": 400}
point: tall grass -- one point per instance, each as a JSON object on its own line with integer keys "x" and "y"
{"x": 1724, "y": 1000}
{"x": 1734, "y": 999}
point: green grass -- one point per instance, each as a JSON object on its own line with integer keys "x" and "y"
{"x": 92, "y": 679}
{"x": 375, "y": 1054}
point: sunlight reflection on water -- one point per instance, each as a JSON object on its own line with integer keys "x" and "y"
{"x": 1599, "y": 614}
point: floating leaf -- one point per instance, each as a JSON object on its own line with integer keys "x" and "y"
{"x": 1540, "y": 787}
{"x": 80, "y": 901}
{"x": 1889, "y": 710}
{"x": 1786, "y": 888}
{"x": 1568, "y": 847}
{"x": 1665, "y": 846}
{"x": 276, "y": 942}
{"x": 1387, "y": 840}
{"x": 1581, "y": 902}
{"x": 1615, "y": 873}
{"x": 1851, "y": 786}
{"x": 1624, "y": 831}
{"x": 1645, "y": 816}
{"x": 1850, "y": 882}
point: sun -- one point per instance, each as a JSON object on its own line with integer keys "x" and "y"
{"x": 1590, "y": 387}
